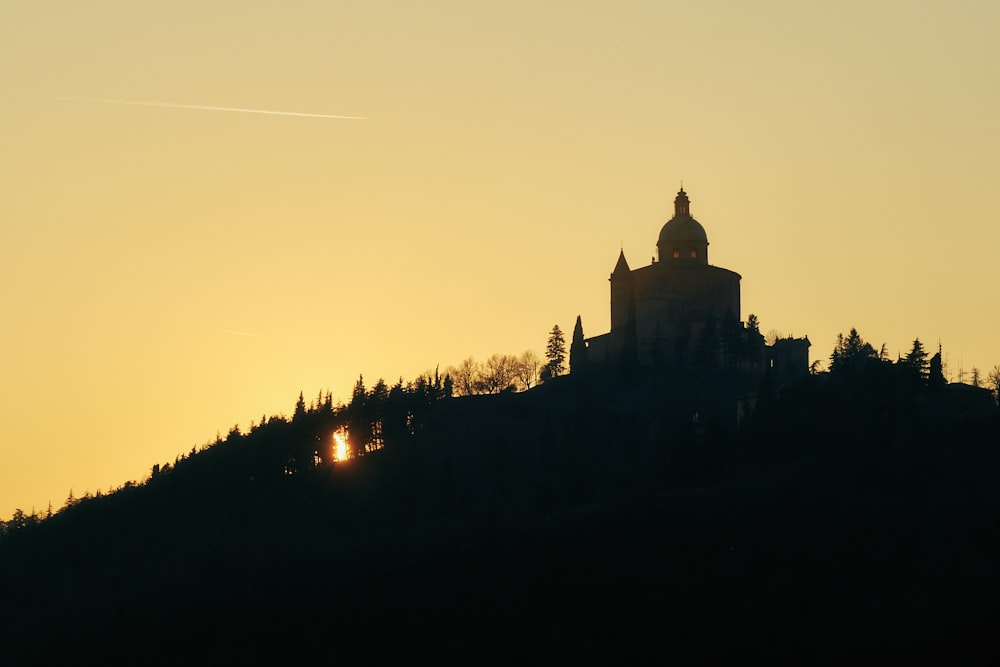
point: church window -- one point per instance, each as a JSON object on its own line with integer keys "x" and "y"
{"x": 677, "y": 253}
{"x": 694, "y": 253}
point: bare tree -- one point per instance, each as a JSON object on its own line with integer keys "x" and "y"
{"x": 994, "y": 381}
{"x": 466, "y": 377}
{"x": 498, "y": 373}
{"x": 526, "y": 370}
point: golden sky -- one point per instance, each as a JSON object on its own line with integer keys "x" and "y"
{"x": 841, "y": 156}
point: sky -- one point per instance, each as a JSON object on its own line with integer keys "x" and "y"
{"x": 168, "y": 272}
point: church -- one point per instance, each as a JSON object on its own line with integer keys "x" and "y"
{"x": 682, "y": 312}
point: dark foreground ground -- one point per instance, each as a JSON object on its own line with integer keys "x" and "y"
{"x": 856, "y": 544}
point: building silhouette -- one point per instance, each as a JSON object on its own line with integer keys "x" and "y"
{"x": 682, "y": 312}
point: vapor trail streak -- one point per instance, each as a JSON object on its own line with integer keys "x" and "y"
{"x": 209, "y": 108}
{"x": 237, "y": 333}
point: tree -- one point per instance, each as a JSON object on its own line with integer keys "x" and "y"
{"x": 916, "y": 361}
{"x": 498, "y": 373}
{"x": 377, "y": 398}
{"x": 18, "y": 520}
{"x": 359, "y": 432}
{"x": 545, "y": 374}
{"x": 395, "y": 413}
{"x": 466, "y": 377}
{"x": 300, "y": 407}
{"x": 555, "y": 352}
{"x": 527, "y": 368}
{"x": 753, "y": 324}
{"x": 994, "y": 381}
{"x": 578, "y": 349}
{"x": 851, "y": 354}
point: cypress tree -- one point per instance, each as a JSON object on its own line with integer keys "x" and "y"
{"x": 578, "y": 349}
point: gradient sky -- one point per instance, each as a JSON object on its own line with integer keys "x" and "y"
{"x": 842, "y": 157}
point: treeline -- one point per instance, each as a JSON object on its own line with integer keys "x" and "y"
{"x": 500, "y": 372}
{"x": 864, "y": 393}
{"x": 375, "y": 417}
{"x": 505, "y": 372}
{"x": 855, "y": 509}
{"x": 321, "y": 432}
{"x": 855, "y": 361}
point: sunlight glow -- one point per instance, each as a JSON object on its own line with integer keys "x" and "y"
{"x": 340, "y": 451}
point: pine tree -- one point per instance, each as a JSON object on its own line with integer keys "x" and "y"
{"x": 851, "y": 355}
{"x": 916, "y": 362}
{"x": 555, "y": 352}
{"x": 359, "y": 432}
{"x": 300, "y": 407}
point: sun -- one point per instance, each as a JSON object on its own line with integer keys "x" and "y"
{"x": 340, "y": 450}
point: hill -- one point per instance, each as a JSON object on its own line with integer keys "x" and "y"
{"x": 625, "y": 517}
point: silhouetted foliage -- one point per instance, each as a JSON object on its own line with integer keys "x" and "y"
{"x": 852, "y": 357}
{"x": 498, "y": 374}
{"x": 466, "y": 377}
{"x": 527, "y": 369}
{"x": 994, "y": 382}
{"x": 555, "y": 352}
{"x": 915, "y": 365}
{"x": 396, "y": 422}
{"x": 519, "y": 517}
{"x": 578, "y": 349}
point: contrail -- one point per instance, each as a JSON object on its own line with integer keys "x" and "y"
{"x": 208, "y": 108}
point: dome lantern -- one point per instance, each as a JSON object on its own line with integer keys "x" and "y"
{"x": 683, "y": 237}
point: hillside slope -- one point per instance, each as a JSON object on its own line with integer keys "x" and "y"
{"x": 578, "y": 519}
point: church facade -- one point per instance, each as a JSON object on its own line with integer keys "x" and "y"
{"x": 682, "y": 312}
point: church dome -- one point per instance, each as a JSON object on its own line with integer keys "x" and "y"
{"x": 682, "y": 228}
{"x": 683, "y": 237}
